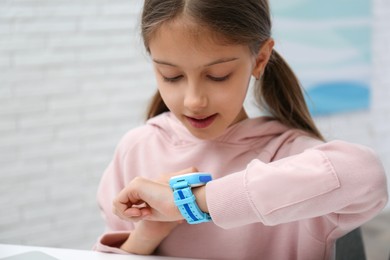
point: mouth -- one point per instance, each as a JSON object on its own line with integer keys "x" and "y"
{"x": 201, "y": 122}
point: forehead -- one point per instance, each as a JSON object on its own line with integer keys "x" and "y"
{"x": 183, "y": 34}
{"x": 184, "y": 26}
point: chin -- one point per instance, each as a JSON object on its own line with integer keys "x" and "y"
{"x": 209, "y": 133}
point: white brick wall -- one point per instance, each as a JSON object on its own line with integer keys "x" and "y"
{"x": 73, "y": 79}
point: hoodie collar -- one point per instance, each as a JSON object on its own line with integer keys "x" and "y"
{"x": 240, "y": 133}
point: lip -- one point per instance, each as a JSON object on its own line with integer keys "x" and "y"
{"x": 201, "y": 122}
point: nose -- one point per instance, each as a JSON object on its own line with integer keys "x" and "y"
{"x": 195, "y": 99}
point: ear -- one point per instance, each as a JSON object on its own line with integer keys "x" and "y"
{"x": 263, "y": 57}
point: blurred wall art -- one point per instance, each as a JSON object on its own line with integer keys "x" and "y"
{"x": 328, "y": 44}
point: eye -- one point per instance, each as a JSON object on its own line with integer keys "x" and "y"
{"x": 172, "y": 79}
{"x": 219, "y": 79}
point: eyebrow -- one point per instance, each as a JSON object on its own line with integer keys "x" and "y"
{"x": 219, "y": 61}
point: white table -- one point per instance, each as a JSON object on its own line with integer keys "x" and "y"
{"x": 70, "y": 254}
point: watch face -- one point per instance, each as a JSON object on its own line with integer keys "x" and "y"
{"x": 196, "y": 185}
{"x": 192, "y": 179}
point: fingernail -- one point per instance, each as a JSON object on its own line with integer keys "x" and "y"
{"x": 145, "y": 214}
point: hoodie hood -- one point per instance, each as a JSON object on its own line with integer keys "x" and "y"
{"x": 242, "y": 132}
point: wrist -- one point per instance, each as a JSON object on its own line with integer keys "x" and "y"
{"x": 147, "y": 236}
{"x": 200, "y": 195}
{"x": 153, "y": 230}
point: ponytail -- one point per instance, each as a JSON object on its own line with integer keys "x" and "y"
{"x": 156, "y": 106}
{"x": 281, "y": 93}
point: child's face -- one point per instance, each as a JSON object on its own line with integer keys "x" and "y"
{"x": 203, "y": 83}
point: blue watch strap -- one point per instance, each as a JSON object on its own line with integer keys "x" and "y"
{"x": 185, "y": 199}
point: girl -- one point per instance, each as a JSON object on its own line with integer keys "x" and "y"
{"x": 279, "y": 190}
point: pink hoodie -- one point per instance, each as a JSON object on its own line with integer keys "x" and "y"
{"x": 277, "y": 193}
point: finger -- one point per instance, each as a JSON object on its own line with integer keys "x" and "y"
{"x": 140, "y": 205}
{"x": 137, "y": 211}
{"x": 136, "y": 214}
{"x": 119, "y": 208}
{"x": 123, "y": 201}
{"x": 132, "y": 212}
{"x": 120, "y": 215}
{"x": 145, "y": 212}
{"x": 128, "y": 196}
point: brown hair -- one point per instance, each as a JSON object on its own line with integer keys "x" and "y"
{"x": 238, "y": 22}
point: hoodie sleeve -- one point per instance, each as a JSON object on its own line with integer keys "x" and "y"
{"x": 345, "y": 182}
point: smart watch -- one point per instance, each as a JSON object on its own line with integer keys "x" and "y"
{"x": 185, "y": 199}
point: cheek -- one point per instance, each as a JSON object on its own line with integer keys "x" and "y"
{"x": 171, "y": 97}
{"x": 235, "y": 92}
